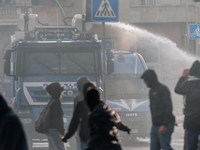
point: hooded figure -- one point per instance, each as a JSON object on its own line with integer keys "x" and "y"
{"x": 189, "y": 86}
{"x": 12, "y": 136}
{"x": 195, "y": 69}
{"x": 80, "y": 85}
{"x": 104, "y": 123}
{"x": 79, "y": 118}
{"x": 161, "y": 111}
{"x": 56, "y": 124}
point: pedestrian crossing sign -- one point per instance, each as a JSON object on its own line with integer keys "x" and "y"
{"x": 105, "y": 10}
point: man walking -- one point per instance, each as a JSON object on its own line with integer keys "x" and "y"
{"x": 161, "y": 112}
{"x": 189, "y": 86}
{"x": 79, "y": 119}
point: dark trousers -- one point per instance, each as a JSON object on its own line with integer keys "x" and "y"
{"x": 159, "y": 141}
{"x": 192, "y": 138}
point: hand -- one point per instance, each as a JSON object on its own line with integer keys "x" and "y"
{"x": 129, "y": 131}
{"x": 76, "y": 135}
{"x": 64, "y": 140}
{"x": 186, "y": 73}
{"x": 163, "y": 130}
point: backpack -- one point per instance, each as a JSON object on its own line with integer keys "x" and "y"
{"x": 42, "y": 124}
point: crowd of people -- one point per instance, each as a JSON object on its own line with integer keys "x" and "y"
{"x": 95, "y": 125}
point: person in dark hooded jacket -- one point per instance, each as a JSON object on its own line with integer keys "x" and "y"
{"x": 79, "y": 118}
{"x": 189, "y": 86}
{"x": 79, "y": 97}
{"x": 12, "y": 136}
{"x": 56, "y": 124}
{"x": 161, "y": 112}
{"x": 104, "y": 124}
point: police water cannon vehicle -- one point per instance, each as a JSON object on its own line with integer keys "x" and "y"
{"x": 40, "y": 55}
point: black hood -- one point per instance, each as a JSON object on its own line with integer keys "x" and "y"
{"x": 93, "y": 98}
{"x": 150, "y": 76}
{"x": 195, "y": 69}
{"x": 3, "y": 106}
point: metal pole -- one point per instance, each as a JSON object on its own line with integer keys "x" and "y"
{"x": 196, "y": 41}
{"x": 104, "y": 60}
{"x": 186, "y": 9}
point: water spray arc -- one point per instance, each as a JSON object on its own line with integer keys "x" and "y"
{"x": 170, "y": 58}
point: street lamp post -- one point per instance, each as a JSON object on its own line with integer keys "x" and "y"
{"x": 186, "y": 9}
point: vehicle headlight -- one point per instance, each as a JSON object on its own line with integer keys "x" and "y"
{"x": 26, "y": 120}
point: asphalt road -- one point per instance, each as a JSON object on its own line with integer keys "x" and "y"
{"x": 177, "y": 137}
{"x": 143, "y": 143}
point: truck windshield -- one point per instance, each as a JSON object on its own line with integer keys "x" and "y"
{"x": 50, "y": 63}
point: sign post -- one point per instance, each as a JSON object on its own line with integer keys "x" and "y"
{"x": 195, "y": 33}
{"x": 105, "y": 11}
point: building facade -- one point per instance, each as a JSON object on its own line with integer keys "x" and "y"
{"x": 161, "y": 17}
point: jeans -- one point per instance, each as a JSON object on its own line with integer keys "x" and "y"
{"x": 83, "y": 145}
{"x": 159, "y": 141}
{"x": 192, "y": 138}
{"x": 54, "y": 139}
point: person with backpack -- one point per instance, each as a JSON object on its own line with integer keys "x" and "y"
{"x": 56, "y": 125}
{"x": 189, "y": 86}
{"x": 103, "y": 123}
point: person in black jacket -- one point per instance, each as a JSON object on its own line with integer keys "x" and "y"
{"x": 161, "y": 112}
{"x": 56, "y": 124}
{"x": 12, "y": 136}
{"x": 80, "y": 118}
{"x": 104, "y": 124}
{"x": 189, "y": 86}
{"x": 79, "y": 97}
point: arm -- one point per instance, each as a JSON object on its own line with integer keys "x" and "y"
{"x": 74, "y": 123}
{"x": 57, "y": 114}
{"x": 168, "y": 106}
{"x": 121, "y": 126}
{"x": 181, "y": 86}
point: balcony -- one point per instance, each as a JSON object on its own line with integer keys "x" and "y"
{"x": 162, "y": 14}
{"x": 9, "y": 15}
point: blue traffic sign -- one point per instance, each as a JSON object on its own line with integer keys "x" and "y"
{"x": 105, "y": 10}
{"x": 194, "y": 31}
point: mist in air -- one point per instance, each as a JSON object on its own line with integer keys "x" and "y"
{"x": 155, "y": 49}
